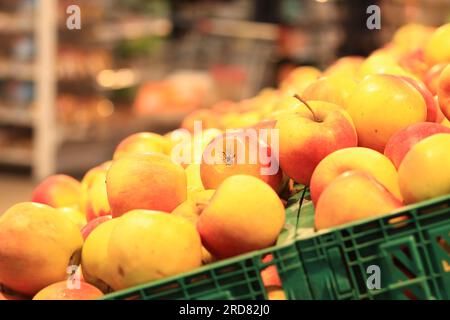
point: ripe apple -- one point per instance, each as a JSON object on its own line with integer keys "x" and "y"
{"x": 142, "y": 142}
{"x": 352, "y": 196}
{"x": 381, "y": 105}
{"x": 91, "y": 225}
{"x": 425, "y": 172}
{"x": 61, "y": 291}
{"x": 382, "y": 62}
{"x": 335, "y": 89}
{"x": 244, "y": 214}
{"x": 431, "y": 77}
{"x": 37, "y": 244}
{"x": 240, "y": 152}
{"x": 362, "y": 159}
{"x": 147, "y": 245}
{"x": 432, "y": 106}
{"x": 299, "y": 79}
{"x": 414, "y": 62}
{"x": 437, "y": 49}
{"x": 402, "y": 141}
{"x": 443, "y": 91}
{"x": 58, "y": 191}
{"x": 309, "y": 136}
{"x": 411, "y": 36}
{"x": 145, "y": 181}
{"x": 347, "y": 66}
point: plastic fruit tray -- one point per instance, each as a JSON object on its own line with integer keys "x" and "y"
{"x": 410, "y": 249}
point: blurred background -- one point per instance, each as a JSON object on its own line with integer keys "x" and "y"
{"x": 67, "y": 97}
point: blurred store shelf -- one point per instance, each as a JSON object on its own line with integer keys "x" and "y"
{"x": 16, "y": 116}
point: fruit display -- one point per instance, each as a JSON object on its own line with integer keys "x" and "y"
{"x": 366, "y": 141}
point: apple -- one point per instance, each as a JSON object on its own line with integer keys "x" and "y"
{"x": 352, "y": 196}
{"x": 432, "y": 106}
{"x": 347, "y": 66}
{"x": 411, "y": 37}
{"x": 298, "y": 79}
{"x": 308, "y": 137}
{"x": 443, "y": 91}
{"x": 58, "y": 191}
{"x": 37, "y": 244}
{"x": 244, "y": 214}
{"x": 361, "y": 159}
{"x": 402, "y": 141}
{"x": 91, "y": 225}
{"x": 240, "y": 152}
{"x": 142, "y": 142}
{"x": 431, "y": 77}
{"x": 145, "y": 246}
{"x": 437, "y": 48}
{"x": 145, "y": 181}
{"x": 334, "y": 88}
{"x": 62, "y": 291}
{"x": 425, "y": 172}
{"x": 414, "y": 62}
{"x": 381, "y": 105}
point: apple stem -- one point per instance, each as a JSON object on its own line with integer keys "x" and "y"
{"x": 307, "y": 105}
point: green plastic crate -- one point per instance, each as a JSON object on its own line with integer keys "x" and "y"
{"x": 413, "y": 255}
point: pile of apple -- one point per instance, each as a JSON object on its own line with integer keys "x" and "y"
{"x": 367, "y": 135}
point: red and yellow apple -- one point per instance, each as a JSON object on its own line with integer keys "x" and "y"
{"x": 347, "y": 66}
{"x": 58, "y": 191}
{"x": 431, "y": 77}
{"x": 173, "y": 242}
{"x": 298, "y": 79}
{"x": 425, "y": 172}
{"x": 443, "y": 91}
{"x": 142, "y": 142}
{"x": 361, "y": 159}
{"x": 63, "y": 291}
{"x": 308, "y": 136}
{"x": 94, "y": 258}
{"x": 145, "y": 181}
{"x": 245, "y": 214}
{"x": 37, "y": 244}
{"x": 91, "y": 225}
{"x": 352, "y": 196}
{"x": 402, "y": 141}
{"x": 240, "y": 152}
{"x": 335, "y": 89}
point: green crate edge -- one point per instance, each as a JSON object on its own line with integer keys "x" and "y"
{"x": 341, "y": 284}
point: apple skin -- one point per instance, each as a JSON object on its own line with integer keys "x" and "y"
{"x": 91, "y": 225}
{"x": 432, "y": 106}
{"x": 305, "y": 142}
{"x": 425, "y": 172}
{"x": 382, "y": 104}
{"x": 443, "y": 91}
{"x": 402, "y": 141}
{"x": 352, "y": 196}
